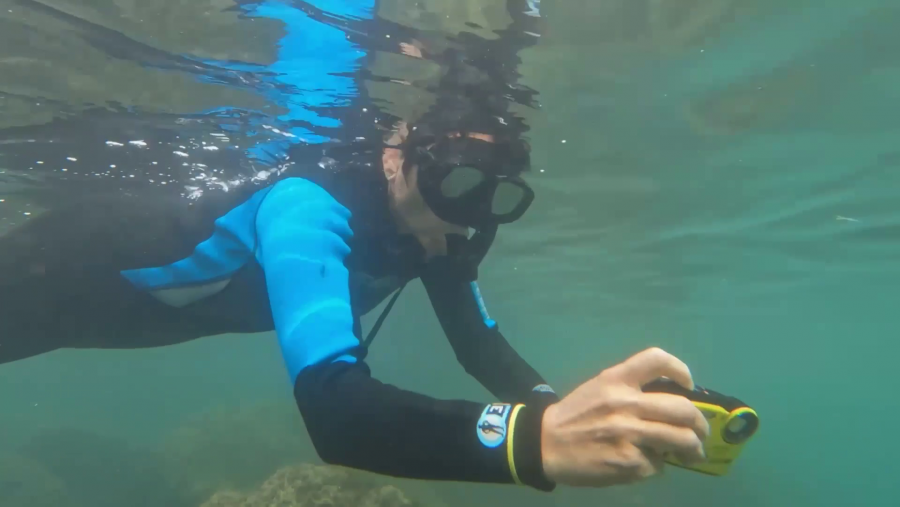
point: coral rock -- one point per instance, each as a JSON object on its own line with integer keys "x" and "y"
{"x": 386, "y": 496}
{"x": 313, "y": 486}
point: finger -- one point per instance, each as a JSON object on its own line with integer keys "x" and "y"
{"x": 648, "y": 463}
{"x": 674, "y": 410}
{"x": 657, "y": 461}
{"x": 651, "y": 364}
{"x": 665, "y": 438}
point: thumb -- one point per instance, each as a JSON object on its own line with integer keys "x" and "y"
{"x": 651, "y": 364}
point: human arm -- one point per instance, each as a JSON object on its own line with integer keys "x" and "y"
{"x": 605, "y": 432}
{"x": 480, "y": 347}
{"x": 353, "y": 419}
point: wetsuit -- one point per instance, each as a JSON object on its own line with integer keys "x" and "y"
{"x": 306, "y": 257}
{"x": 143, "y": 271}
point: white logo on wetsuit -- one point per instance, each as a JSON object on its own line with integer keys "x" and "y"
{"x": 492, "y": 424}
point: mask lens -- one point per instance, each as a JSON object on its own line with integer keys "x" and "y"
{"x": 507, "y": 198}
{"x": 461, "y": 180}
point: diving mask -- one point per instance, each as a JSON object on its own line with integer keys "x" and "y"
{"x": 473, "y": 183}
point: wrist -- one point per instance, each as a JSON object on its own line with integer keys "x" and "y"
{"x": 547, "y": 424}
{"x": 526, "y": 449}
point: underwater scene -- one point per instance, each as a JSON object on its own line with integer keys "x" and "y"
{"x": 719, "y": 179}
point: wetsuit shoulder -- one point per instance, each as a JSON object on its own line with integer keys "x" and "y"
{"x": 303, "y": 235}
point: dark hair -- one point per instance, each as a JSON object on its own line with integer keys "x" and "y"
{"x": 450, "y": 118}
{"x": 471, "y": 98}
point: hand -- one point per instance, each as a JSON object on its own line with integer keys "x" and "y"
{"x": 412, "y": 50}
{"x": 608, "y": 431}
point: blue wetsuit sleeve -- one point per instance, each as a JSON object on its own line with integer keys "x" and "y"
{"x": 353, "y": 419}
{"x": 303, "y": 233}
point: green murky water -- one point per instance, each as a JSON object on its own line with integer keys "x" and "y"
{"x": 719, "y": 178}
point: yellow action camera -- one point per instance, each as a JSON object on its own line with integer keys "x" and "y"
{"x": 731, "y": 424}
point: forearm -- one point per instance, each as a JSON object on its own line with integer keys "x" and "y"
{"x": 489, "y": 357}
{"x": 357, "y": 421}
{"x": 480, "y": 347}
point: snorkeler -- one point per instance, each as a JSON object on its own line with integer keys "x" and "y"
{"x": 308, "y": 256}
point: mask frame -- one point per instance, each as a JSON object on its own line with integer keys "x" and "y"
{"x": 498, "y": 164}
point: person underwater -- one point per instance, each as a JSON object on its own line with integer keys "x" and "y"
{"x": 307, "y": 256}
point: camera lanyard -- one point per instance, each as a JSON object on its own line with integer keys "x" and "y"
{"x": 384, "y": 313}
{"x": 478, "y": 247}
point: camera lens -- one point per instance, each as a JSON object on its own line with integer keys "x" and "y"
{"x": 740, "y": 426}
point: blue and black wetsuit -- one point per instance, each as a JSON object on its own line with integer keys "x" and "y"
{"x": 306, "y": 259}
